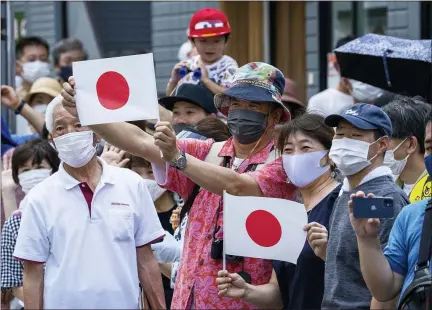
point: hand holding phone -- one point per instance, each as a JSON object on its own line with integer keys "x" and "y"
{"x": 377, "y": 207}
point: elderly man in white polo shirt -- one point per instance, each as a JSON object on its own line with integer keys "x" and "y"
{"x": 92, "y": 225}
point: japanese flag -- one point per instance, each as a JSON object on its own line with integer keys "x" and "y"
{"x": 116, "y": 89}
{"x": 267, "y": 228}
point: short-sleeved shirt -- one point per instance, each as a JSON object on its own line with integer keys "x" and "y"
{"x": 221, "y": 72}
{"x": 404, "y": 242}
{"x": 302, "y": 285}
{"x": 88, "y": 239}
{"x": 344, "y": 286}
{"x": 197, "y": 270}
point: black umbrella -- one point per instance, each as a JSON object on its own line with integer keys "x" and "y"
{"x": 397, "y": 65}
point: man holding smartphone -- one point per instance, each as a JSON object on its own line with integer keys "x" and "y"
{"x": 358, "y": 148}
{"x": 389, "y": 273}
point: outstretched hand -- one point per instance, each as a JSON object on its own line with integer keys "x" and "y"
{"x": 166, "y": 141}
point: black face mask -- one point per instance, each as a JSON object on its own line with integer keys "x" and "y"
{"x": 65, "y": 73}
{"x": 247, "y": 126}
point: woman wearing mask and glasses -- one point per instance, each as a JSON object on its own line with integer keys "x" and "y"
{"x": 32, "y": 163}
{"x": 305, "y": 143}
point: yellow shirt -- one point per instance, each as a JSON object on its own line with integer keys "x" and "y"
{"x": 422, "y": 188}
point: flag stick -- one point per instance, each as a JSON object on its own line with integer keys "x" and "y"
{"x": 223, "y": 246}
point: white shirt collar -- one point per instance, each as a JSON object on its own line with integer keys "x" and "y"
{"x": 377, "y": 172}
{"x": 71, "y": 182}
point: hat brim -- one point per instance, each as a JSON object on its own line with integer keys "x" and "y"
{"x": 250, "y": 93}
{"x": 334, "y": 119}
{"x": 43, "y": 90}
{"x": 169, "y": 101}
{"x": 290, "y": 99}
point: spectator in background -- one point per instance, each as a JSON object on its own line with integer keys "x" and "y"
{"x": 358, "y": 148}
{"x": 64, "y": 53}
{"x": 32, "y": 163}
{"x": 405, "y": 156}
{"x": 209, "y": 32}
{"x": 32, "y": 63}
{"x": 294, "y": 105}
{"x": 190, "y": 104}
{"x": 389, "y": 273}
{"x": 187, "y": 50}
{"x": 348, "y": 92}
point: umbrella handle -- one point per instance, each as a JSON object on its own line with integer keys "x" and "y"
{"x": 386, "y": 71}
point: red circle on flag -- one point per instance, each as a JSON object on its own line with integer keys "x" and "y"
{"x": 263, "y": 228}
{"x": 112, "y": 90}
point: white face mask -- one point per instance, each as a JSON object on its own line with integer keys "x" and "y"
{"x": 396, "y": 166}
{"x": 41, "y": 108}
{"x": 76, "y": 148}
{"x": 30, "y": 179}
{"x": 155, "y": 190}
{"x": 350, "y": 155}
{"x": 365, "y": 93}
{"x": 303, "y": 169}
{"x": 34, "y": 70}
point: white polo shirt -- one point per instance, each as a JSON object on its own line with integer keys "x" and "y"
{"x": 89, "y": 249}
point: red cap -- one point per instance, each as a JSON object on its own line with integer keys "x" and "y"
{"x": 208, "y": 23}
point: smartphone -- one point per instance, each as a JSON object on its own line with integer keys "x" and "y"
{"x": 378, "y": 207}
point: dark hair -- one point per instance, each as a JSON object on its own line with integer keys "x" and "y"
{"x": 311, "y": 125}
{"x": 45, "y": 133}
{"x": 213, "y": 128}
{"x": 137, "y": 161}
{"x": 409, "y": 117}
{"x": 36, "y": 149}
{"x": 29, "y": 41}
{"x": 226, "y": 37}
{"x": 345, "y": 40}
{"x": 67, "y": 45}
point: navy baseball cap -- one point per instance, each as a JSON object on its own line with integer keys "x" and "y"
{"x": 196, "y": 94}
{"x": 363, "y": 116}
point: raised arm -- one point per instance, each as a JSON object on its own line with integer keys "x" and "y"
{"x": 125, "y": 136}
{"x": 11, "y": 100}
{"x": 381, "y": 280}
{"x": 213, "y": 178}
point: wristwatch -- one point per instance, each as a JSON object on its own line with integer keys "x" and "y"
{"x": 19, "y": 107}
{"x": 180, "y": 162}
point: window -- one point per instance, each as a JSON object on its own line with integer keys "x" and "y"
{"x": 358, "y": 18}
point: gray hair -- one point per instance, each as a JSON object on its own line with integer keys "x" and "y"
{"x": 49, "y": 114}
{"x": 409, "y": 117}
{"x": 67, "y": 45}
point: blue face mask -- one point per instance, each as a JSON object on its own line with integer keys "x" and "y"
{"x": 428, "y": 163}
{"x": 65, "y": 73}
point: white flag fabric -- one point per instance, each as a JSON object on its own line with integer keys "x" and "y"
{"x": 267, "y": 228}
{"x": 116, "y": 89}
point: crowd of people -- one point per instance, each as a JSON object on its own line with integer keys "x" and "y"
{"x": 130, "y": 215}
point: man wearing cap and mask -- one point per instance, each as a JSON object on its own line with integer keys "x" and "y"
{"x": 189, "y": 104}
{"x": 405, "y": 156}
{"x": 245, "y": 166}
{"x": 361, "y": 139}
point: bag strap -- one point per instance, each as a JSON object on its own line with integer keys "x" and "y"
{"x": 426, "y": 238}
{"x": 212, "y": 158}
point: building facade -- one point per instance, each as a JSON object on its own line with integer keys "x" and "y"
{"x": 294, "y": 36}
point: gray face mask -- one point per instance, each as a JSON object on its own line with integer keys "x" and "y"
{"x": 246, "y": 126}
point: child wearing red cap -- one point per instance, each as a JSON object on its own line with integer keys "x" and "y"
{"x": 209, "y": 31}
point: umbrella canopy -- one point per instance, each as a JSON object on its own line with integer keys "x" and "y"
{"x": 397, "y": 65}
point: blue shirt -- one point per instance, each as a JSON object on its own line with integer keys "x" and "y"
{"x": 404, "y": 241}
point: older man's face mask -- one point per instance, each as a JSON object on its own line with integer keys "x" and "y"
{"x": 76, "y": 149}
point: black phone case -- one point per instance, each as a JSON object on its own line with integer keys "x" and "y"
{"x": 378, "y": 207}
